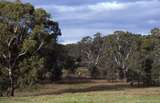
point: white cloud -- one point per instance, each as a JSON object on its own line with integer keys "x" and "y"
{"x": 103, "y": 9}
{"x": 92, "y": 7}
{"x": 107, "y": 6}
{"x": 101, "y": 6}
{"x": 68, "y": 42}
{"x": 86, "y": 19}
{"x": 83, "y": 12}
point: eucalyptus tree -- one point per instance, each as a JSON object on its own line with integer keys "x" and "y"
{"x": 24, "y": 32}
{"x": 120, "y": 47}
{"x": 91, "y": 50}
{"x": 155, "y": 55}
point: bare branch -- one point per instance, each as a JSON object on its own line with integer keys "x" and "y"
{"x": 4, "y": 56}
{"x": 97, "y": 59}
{"x": 15, "y": 60}
{"x": 11, "y": 41}
{"x": 21, "y": 54}
{"x": 40, "y": 46}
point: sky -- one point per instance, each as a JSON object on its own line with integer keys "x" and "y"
{"x": 79, "y": 18}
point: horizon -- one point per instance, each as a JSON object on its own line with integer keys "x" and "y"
{"x": 78, "y": 19}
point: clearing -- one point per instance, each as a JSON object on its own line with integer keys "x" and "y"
{"x": 94, "y": 91}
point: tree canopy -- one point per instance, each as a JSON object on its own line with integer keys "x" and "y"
{"x": 25, "y": 33}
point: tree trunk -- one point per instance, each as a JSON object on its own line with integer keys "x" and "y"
{"x": 125, "y": 71}
{"x": 125, "y": 76}
{"x": 11, "y": 91}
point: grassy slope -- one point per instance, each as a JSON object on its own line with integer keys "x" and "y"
{"x": 92, "y": 94}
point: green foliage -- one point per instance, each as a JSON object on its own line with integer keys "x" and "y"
{"x": 29, "y": 45}
{"x": 41, "y": 15}
{"x": 26, "y": 33}
{"x": 70, "y": 64}
{"x": 15, "y": 11}
{"x": 122, "y": 55}
{"x": 30, "y": 71}
{"x": 91, "y": 51}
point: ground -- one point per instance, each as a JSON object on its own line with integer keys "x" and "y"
{"x": 94, "y": 91}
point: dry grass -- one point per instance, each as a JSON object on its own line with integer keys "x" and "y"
{"x": 147, "y": 95}
{"x": 82, "y": 86}
{"x": 94, "y": 91}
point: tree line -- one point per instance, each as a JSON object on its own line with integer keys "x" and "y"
{"x": 31, "y": 54}
{"x": 121, "y": 55}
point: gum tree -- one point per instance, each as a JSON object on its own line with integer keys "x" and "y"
{"x": 24, "y": 32}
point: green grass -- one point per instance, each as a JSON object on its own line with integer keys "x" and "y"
{"x": 92, "y": 97}
{"x": 99, "y": 92}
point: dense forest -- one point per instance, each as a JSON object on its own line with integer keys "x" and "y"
{"x": 30, "y": 52}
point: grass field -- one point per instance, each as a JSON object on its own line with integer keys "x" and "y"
{"x": 99, "y": 92}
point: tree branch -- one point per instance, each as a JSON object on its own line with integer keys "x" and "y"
{"x": 39, "y": 47}
{"x": 11, "y": 41}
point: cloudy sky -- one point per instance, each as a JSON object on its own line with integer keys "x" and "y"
{"x": 79, "y": 18}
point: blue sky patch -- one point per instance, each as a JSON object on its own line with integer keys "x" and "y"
{"x": 79, "y": 18}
